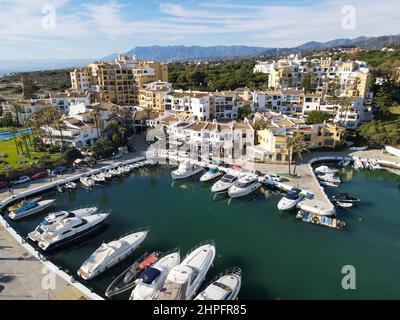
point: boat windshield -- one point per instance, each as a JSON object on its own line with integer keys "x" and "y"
{"x": 293, "y": 195}
{"x": 149, "y": 275}
{"x": 228, "y": 178}
{"x": 243, "y": 185}
{"x": 26, "y": 206}
{"x": 213, "y": 170}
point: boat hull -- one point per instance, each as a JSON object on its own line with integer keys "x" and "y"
{"x": 236, "y": 193}
{"x": 185, "y": 175}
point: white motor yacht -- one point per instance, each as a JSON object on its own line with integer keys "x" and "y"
{"x": 186, "y": 170}
{"x": 224, "y": 184}
{"x": 375, "y": 165}
{"x": 224, "y": 287}
{"x": 108, "y": 175}
{"x": 211, "y": 174}
{"x": 291, "y": 200}
{"x": 30, "y": 208}
{"x": 329, "y": 177}
{"x": 115, "y": 173}
{"x": 358, "y": 164}
{"x": 109, "y": 254}
{"x": 69, "y": 230}
{"x": 153, "y": 278}
{"x": 245, "y": 185}
{"x": 185, "y": 279}
{"x": 328, "y": 184}
{"x": 49, "y": 221}
{"x": 70, "y": 185}
{"x": 87, "y": 182}
{"x": 325, "y": 169}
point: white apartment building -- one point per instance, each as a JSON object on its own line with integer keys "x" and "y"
{"x": 63, "y": 101}
{"x": 226, "y": 106}
{"x": 77, "y": 133}
{"x": 81, "y": 79}
{"x": 354, "y": 115}
{"x": 191, "y": 103}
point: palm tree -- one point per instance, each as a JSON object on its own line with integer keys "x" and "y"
{"x": 126, "y": 113}
{"x": 96, "y": 115}
{"x": 289, "y": 145}
{"x": 25, "y": 137}
{"x": 16, "y": 108}
{"x": 344, "y": 105}
{"x": 60, "y": 126}
{"x": 299, "y": 146}
{"x": 14, "y": 132}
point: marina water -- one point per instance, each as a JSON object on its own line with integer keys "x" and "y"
{"x": 281, "y": 257}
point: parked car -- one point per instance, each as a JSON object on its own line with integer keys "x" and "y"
{"x": 21, "y": 180}
{"x": 3, "y": 184}
{"x": 40, "y": 175}
{"x": 59, "y": 170}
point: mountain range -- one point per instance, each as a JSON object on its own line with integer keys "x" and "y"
{"x": 182, "y": 53}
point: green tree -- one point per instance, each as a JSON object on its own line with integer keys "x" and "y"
{"x": 384, "y": 98}
{"x": 59, "y": 125}
{"x": 317, "y": 117}
{"x": 16, "y": 108}
{"x": 309, "y": 82}
{"x": 14, "y": 132}
{"x": 244, "y": 112}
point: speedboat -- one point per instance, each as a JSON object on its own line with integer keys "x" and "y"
{"x": 186, "y": 170}
{"x": 87, "y": 182}
{"x": 30, "y": 208}
{"x": 211, "y": 174}
{"x": 61, "y": 188}
{"x": 375, "y": 165}
{"x": 108, "y": 175}
{"x": 70, "y": 185}
{"x": 127, "y": 279}
{"x": 224, "y": 184}
{"x": 321, "y": 220}
{"x": 328, "y": 184}
{"x": 121, "y": 171}
{"x": 324, "y": 169}
{"x": 99, "y": 178}
{"x": 344, "y": 162}
{"x": 109, "y": 254}
{"x": 358, "y": 164}
{"x": 224, "y": 287}
{"x": 70, "y": 229}
{"x": 245, "y": 185}
{"x": 152, "y": 279}
{"x": 54, "y": 217}
{"x": 329, "y": 177}
{"x": 291, "y": 200}
{"x": 358, "y": 148}
{"x": 115, "y": 172}
{"x": 343, "y": 200}
{"x": 185, "y": 279}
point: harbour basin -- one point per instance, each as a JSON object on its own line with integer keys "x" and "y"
{"x": 281, "y": 257}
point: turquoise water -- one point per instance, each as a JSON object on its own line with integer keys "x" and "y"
{"x": 281, "y": 257}
{"x": 8, "y": 135}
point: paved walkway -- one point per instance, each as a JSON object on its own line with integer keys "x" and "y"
{"x": 23, "y": 277}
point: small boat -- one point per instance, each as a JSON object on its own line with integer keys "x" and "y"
{"x": 152, "y": 279}
{"x": 109, "y": 254}
{"x": 115, "y": 173}
{"x": 223, "y": 185}
{"x": 367, "y": 165}
{"x": 358, "y": 164}
{"x": 375, "y": 165}
{"x": 211, "y": 174}
{"x": 127, "y": 279}
{"x": 358, "y": 148}
{"x": 185, "y": 279}
{"x": 70, "y": 230}
{"x": 30, "y": 208}
{"x": 245, "y": 185}
{"x": 324, "y": 170}
{"x": 87, "y": 182}
{"x": 61, "y": 188}
{"x": 345, "y": 198}
{"x": 344, "y": 162}
{"x": 328, "y": 184}
{"x": 99, "y": 178}
{"x": 107, "y": 175}
{"x": 121, "y": 171}
{"x": 226, "y": 286}
{"x": 321, "y": 220}
{"x": 54, "y": 217}
{"x": 20, "y": 203}
{"x": 329, "y": 177}
{"x": 290, "y": 201}
{"x": 70, "y": 185}
{"x": 186, "y": 170}
{"x": 344, "y": 205}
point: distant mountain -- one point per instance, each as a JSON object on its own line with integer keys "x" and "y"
{"x": 182, "y": 53}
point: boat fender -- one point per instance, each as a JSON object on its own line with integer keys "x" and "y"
{"x": 315, "y": 220}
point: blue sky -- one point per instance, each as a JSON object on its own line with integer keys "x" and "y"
{"x": 93, "y": 29}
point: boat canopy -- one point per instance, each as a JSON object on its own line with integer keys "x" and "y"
{"x": 25, "y": 207}
{"x": 149, "y": 275}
